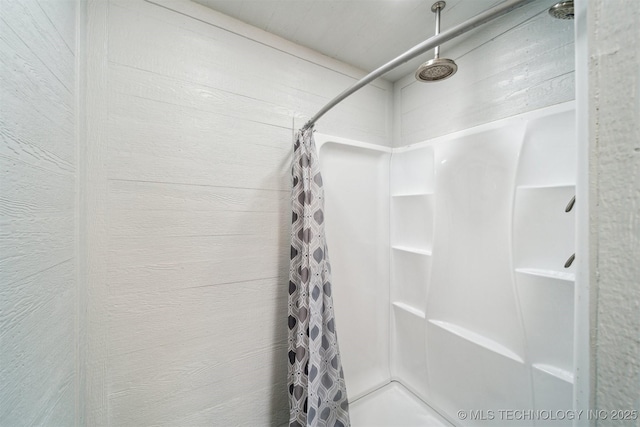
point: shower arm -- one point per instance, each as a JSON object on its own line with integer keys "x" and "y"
{"x": 435, "y": 41}
{"x": 438, "y": 8}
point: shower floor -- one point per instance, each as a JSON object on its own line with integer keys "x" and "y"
{"x": 393, "y": 406}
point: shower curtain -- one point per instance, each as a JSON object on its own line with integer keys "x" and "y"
{"x": 317, "y": 391}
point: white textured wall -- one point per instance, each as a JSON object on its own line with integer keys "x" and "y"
{"x": 614, "y": 92}
{"x": 37, "y": 212}
{"x": 518, "y": 63}
{"x": 189, "y": 139}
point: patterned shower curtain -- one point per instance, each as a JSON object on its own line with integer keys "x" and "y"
{"x": 317, "y": 391}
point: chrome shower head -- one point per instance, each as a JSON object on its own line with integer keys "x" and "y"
{"x": 562, "y": 10}
{"x": 437, "y": 68}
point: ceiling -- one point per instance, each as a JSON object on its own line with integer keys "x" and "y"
{"x": 363, "y": 33}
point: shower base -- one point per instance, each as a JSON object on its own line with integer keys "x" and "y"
{"x": 393, "y": 406}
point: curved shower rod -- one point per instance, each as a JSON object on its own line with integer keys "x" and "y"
{"x": 481, "y": 18}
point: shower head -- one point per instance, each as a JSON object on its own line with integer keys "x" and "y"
{"x": 437, "y": 68}
{"x": 562, "y": 10}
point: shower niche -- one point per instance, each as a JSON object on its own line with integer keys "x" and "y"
{"x": 479, "y": 290}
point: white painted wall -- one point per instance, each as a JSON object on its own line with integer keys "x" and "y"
{"x": 521, "y": 62}
{"x": 614, "y": 167}
{"x": 38, "y": 259}
{"x": 190, "y": 118}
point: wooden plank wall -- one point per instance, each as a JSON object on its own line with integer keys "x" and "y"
{"x": 38, "y": 212}
{"x": 520, "y": 62}
{"x": 190, "y": 123}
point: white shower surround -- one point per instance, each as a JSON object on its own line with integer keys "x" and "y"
{"x": 461, "y": 296}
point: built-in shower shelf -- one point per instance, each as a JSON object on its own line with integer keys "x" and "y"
{"x": 554, "y": 371}
{"x": 551, "y": 274}
{"x": 417, "y": 194}
{"x": 409, "y": 309}
{"x": 419, "y": 251}
{"x": 476, "y": 338}
{"x": 544, "y": 187}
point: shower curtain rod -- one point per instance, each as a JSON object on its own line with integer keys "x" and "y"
{"x": 418, "y": 49}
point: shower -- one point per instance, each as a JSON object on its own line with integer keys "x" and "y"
{"x": 471, "y": 305}
{"x": 437, "y": 68}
